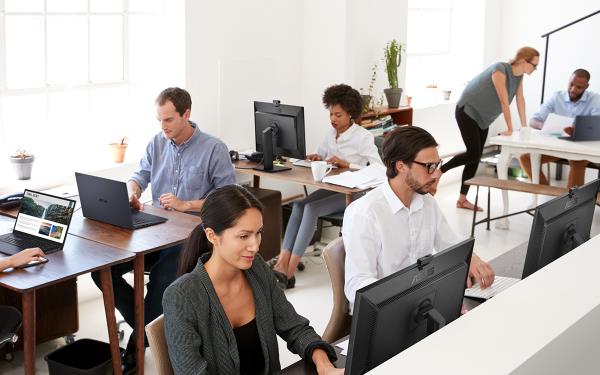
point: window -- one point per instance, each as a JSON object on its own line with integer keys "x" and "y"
{"x": 76, "y": 75}
{"x": 444, "y": 47}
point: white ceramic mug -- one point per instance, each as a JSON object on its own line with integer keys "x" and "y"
{"x": 319, "y": 169}
{"x": 525, "y": 133}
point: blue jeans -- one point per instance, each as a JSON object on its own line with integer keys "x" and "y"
{"x": 163, "y": 270}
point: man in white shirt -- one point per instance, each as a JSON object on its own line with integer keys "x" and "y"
{"x": 399, "y": 222}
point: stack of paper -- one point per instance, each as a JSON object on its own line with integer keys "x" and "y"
{"x": 365, "y": 178}
{"x": 555, "y": 124}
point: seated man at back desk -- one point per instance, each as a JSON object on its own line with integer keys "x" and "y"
{"x": 575, "y": 101}
{"x": 399, "y": 222}
{"x": 182, "y": 164}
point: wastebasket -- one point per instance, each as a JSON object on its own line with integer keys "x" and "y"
{"x": 85, "y": 356}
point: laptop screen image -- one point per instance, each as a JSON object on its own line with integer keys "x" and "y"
{"x": 44, "y": 216}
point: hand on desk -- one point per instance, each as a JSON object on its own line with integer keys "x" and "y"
{"x": 169, "y": 200}
{"x": 506, "y": 132}
{"x": 481, "y": 272}
{"x": 21, "y": 258}
{"x": 324, "y": 366}
{"x": 339, "y": 162}
{"x": 569, "y": 130}
{"x": 313, "y": 157}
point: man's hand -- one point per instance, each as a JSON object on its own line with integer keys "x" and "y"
{"x": 569, "y": 130}
{"x": 481, "y": 272}
{"x": 134, "y": 202}
{"x": 339, "y": 162}
{"x": 313, "y": 157}
{"x": 25, "y": 256}
{"x": 169, "y": 200}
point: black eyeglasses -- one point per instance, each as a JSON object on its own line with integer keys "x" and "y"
{"x": 431, "y": 167}
{"x": 532, "y": 64}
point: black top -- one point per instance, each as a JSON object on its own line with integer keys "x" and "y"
{"x": 251, "y": 356}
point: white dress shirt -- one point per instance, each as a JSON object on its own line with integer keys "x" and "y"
{"x": 382, "y": 236}
{"x": 356, "y": 145}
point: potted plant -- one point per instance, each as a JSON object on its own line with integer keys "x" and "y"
{"x": 22, "y": 162}
{"x": 393, "y": 59}
{"x": 366, "y": 98}
{"x": 118, "y": 150}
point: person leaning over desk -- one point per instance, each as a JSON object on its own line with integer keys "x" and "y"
{"x": 399, "y": 222}
{"x": 575, "y": 101}
{"x": 486, "y": 97}
{"x": 347, "y": 145}
{"x": 182, "y": 164}
{"x": 223, "y": 314}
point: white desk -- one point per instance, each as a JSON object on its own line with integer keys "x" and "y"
{"x": 537, "y": 146}
{"x": 545, "y": 324}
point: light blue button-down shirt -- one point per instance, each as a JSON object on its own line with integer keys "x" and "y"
{"x": 561, "y": 104}
{"x": 189, "y": 171}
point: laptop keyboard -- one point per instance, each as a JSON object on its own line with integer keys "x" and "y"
{"x": 25, "y": 243}
{"x": 142, "y": 219}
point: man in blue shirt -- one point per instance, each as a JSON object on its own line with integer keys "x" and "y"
{"x": 182, "y": 164}
{"x": 575, "y": 101}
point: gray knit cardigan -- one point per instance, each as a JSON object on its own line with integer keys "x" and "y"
{"x": 200, "y": 338}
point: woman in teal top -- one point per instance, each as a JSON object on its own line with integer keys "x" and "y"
{"x": 486, "y": 97}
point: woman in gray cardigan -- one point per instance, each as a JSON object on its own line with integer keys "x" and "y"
{"x": 223, "y": 314}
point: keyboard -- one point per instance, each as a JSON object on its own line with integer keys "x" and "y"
{"x": 306, "y": 164}
{"x": 500, "y": 284}
{"x": 27, "y": 242}
{"x": 142, "y": 219}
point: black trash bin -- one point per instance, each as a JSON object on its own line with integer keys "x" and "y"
{"x": 85, "y": 356}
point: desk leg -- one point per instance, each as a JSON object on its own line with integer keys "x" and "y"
{"x": 28, "y": 305}
{"x": 503, "y": 163}
{"x": 349, "y": 198}
{"x": 536, "y": 160}
{"x": 138, "y": 295}
{"x": 111, "y": 320}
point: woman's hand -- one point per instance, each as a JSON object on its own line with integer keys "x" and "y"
{"x": 25, "y": 256}
{"x": 323, "y": 364}
{"x": 339, "y": 162}
{"x": 313, "y": 157}
{"x": 331, "y": 371}
{"x": 507, "y": 132}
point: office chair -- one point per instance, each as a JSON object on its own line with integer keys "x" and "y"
{"x": 155, "y": 331}
{"x": 10, "y": 319}
{"x": 340, "y": 320}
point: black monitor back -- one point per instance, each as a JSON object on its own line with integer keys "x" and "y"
{"x": 289, "y": 139}
{"x": 560, "y": 225}
{"x": 385, "y": 312}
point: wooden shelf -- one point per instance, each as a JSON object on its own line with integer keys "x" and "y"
{"x": 400, "y": 116}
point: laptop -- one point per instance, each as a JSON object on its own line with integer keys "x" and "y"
{"x": 107, "y": 200}
{"x": 585, "y": 128}
{"x": 43, "y": 221}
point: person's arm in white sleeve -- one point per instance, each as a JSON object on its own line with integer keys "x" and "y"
{"x": 369, "y": 152}
{"x": 362, "y": 246}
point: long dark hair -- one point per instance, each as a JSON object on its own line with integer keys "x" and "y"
{"x": 221, "y": 210}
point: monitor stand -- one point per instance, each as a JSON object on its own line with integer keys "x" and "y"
{"x": 267, "y": 143}
{"x": 426, "y": 311}
{"x": 571, "y": 239}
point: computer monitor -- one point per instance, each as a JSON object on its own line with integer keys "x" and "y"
{"x": 397, "y": 311}
{"x": 279, "y": 131}
{"x": 560, "y": 225}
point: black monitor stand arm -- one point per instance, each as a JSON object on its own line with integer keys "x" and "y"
{"x": 571, "y": 238}
{"x": 435, "y": 320}
{"x": 267, "y": 144}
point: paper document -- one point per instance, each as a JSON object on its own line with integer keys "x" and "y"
{"x": 555, "y": 124}
{"x": 344, "y": 346}
{"x": 500, "y": 284}
{"x": 306, "y": 163}
{"x": 367, "y": 177}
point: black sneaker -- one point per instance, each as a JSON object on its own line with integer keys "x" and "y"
{"x": 291, "y": 283}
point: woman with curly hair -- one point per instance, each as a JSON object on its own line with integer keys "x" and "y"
{"x": 346, "y": 145}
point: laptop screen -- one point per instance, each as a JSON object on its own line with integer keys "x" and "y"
{"x": 44, "y": 216}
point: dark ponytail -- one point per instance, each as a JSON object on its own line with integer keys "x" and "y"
{"x": 221, "y": 210}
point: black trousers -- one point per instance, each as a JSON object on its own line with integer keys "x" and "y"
{"x": 474, "y": 138}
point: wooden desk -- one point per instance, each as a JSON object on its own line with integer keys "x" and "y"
{"x": 298, "y": 175}
{"x": 139, "y": 242}
{"x": 508, "y": 264}
{"x": 78, "y": 257}
{"x": 400, "y": 116}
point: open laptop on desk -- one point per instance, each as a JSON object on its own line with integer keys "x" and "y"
{"x": 107, "y": 200}
{"x": 43, "y": 221}
{"x": 585, "y": 128}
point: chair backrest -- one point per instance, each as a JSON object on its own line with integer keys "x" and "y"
{"x": 155, "y": 331}
{"x": 340, "y": 320}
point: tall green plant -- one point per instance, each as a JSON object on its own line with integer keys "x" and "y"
{"x": 393, "y": 59}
